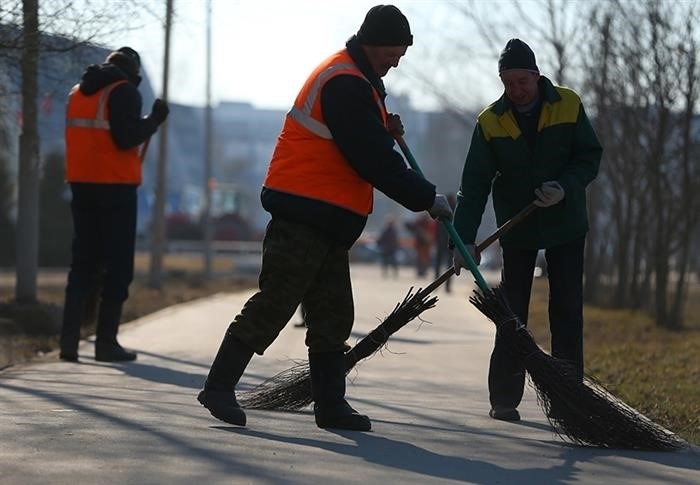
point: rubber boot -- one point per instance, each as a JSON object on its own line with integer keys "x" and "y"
{"x": 107, "y": 349}
{"x": 328, "y": 390}
{"x": 73, "y": 309}
{"x": 218, "y": 395}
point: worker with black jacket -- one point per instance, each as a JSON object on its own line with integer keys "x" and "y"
{"x": 105, "y": 134}
{"x": 334, "y": 149}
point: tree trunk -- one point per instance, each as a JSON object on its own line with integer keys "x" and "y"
{"x": 660, "y": 289}
{"x": 676, "y": 313}
{"x": 593, "y": 255}
{"x": 155, "y": 279}
{"x": 640, "y": 252}
{"x": 623, "y": 242}
{"x": 28, "y": 174}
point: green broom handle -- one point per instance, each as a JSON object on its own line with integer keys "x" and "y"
{"x": 480, "y": 281}
{"x": 482, "y": 246}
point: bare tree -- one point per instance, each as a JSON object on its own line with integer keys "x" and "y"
{"x": 470, "y": 40}
{"x": 690, "y": 172}
{"x": 646, "y": 109}
{"x": 598, "y": 246}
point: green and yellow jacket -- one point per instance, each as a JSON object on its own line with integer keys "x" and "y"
{"x": 500, "y": 160}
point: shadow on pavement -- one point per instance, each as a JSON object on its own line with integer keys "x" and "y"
{"x": 221, "y": 460}
{"x": 162, "y": 375}
{"x": 406, "y": 456}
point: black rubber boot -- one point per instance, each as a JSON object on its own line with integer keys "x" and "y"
{"x": 328, "y": 389}
{"x": 73, "y": 308}
{"x": 218, "y": 395}
{"x": 107, "y": 349}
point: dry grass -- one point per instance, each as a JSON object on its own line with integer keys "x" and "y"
{"x": 652, "y": 369}
{"x": 186, "y": 263}
{"x": 26, "y": 330}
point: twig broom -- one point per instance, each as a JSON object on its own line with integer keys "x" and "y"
{"x": 578, "y": 409}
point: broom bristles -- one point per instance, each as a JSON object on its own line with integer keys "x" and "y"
{"x": 290, "y": 390}
{"x": 579, "y": 409}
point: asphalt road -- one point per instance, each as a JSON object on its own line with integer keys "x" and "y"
{"x": 140, "y": 423}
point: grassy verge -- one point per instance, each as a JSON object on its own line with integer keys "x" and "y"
{"x": 28, "y": 330}
{"x": 654, "y": 370}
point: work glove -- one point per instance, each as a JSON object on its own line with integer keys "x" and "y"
{"x": 159, "y": 111}
{"x": 394, "y": 125}
{"x": 441, "y": 208}
{"x": 548, "y": 194}
{"x": 458, "y": 261}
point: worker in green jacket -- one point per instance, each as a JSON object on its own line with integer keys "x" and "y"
{"x": 535, "y": 143}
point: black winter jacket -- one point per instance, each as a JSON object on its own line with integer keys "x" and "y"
{"x": 127, "y": 127}
{"x": 354, "y": 120}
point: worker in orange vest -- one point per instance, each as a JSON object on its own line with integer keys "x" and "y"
{"x": 335, "y": 148}
{"x": 105, "y": 134}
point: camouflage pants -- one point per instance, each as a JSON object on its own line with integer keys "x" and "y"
{"x": 299, "y": 266}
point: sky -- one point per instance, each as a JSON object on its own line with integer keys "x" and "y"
{"x": 263, "y": 50}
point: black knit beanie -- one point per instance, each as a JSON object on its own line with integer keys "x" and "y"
{"x": 517, "y": 55}
{"x": 126, "y": 59}
{"x": 385, "y": 25}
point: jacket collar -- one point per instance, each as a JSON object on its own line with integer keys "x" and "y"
{"x": 360, "y": 58}
{"x": 547, "y": 90}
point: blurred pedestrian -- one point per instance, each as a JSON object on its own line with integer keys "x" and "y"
{"x": 105, "y": 134}
{"x": 535, "y": 142}
{"x": 388, "y": 244}
{"x": 423, "y": 229}
{"x": 335, "y": 147}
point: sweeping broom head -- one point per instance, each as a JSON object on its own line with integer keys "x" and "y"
{"x": 587, "y": 414}
{"x": 290, "y": 390}
{"x": 577, "y": 407}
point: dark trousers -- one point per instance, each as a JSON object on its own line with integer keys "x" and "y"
{"x": 299, "y": 266}
{"x": 104, "y": 234}
{"x": 389, "y": 263}
{"x": 565, "y": 272}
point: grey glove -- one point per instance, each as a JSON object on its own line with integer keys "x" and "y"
{"x": 458, "y": 261}
{"x": 549, "y": 194}
{"x": 441, "y": 208}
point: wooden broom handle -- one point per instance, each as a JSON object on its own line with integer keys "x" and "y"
{"x": 483, "y": 245}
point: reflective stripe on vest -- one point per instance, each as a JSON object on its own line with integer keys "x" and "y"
{"x": 303, "y": 115}
{"x": 306, "y": 161}
{"x": 91, "y": 154}
{"x": 99, "y": 122}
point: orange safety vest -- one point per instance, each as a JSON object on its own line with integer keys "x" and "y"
{"x": 91, "y": 154}
{"x": 306, "y": 161}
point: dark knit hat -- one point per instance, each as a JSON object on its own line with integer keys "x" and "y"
{"x": 126, "y": 59}
{"x": 517, "y": 55}
{"x": 385, "y": 25}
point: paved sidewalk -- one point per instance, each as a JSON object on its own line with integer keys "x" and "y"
{"x": 140, "y": 422}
